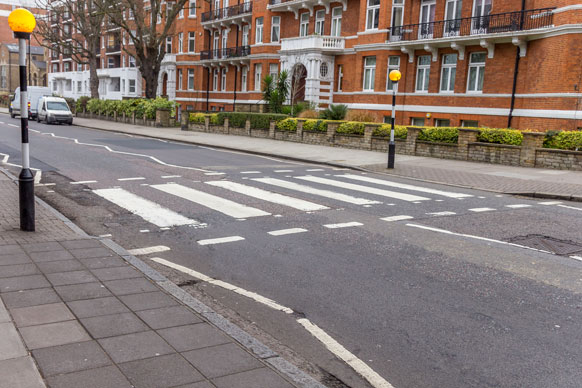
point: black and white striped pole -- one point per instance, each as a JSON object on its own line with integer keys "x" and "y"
{"x": 394, "y": 76}
{"x": 22, "y": 22}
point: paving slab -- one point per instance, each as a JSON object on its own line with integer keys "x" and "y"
{"x": 53, "y": 334}
{"x": 9, "y": 271}
{"x": 51, "y": 255}
{"x": 69, "y": 358}
{"x": 221, "y": 360}
{"x": 80, "y": 244}
{"x": 130, "y": 286}
{"x": 30, "y": 297}
{"x": 200, "y": 335}
{"x": 106, "y": 377}
{"x": 11, "y": 249}
{"x": 113, "y": 325}
{"x": 10, "y": 344}
{"x": 148, "y": 300}
{"x": 87, "y": 253}
{"x": 19, "y": 258}
{"x": 42, "y": 247}
{"x": 94, "y": 307}
{"x": 160, "y": 372}
{"x": 23, "y": 283}
{"x": 60, "y": 266}
{"x": 4, "y": 316}
{"x": 20, "y": 373}
{"x": 168, "y": 317}
{"x": 257, "y": 378}
{"x": 116, "y": 273}
{"x": 103, "y": 262}
{"x": 68, "y": 278}
{"x": 82, "y": 291}
{"x": 136, "y": 346}
{"x": 39, "y": 315}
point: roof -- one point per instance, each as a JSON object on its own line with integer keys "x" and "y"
{"x": 13, "y": 48}
{"x": 39, "y": 64}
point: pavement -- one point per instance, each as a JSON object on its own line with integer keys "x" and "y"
{"x": 77, "y": 311}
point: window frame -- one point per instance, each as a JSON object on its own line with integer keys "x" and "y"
{"x": 425, "y": 74}
{"x": 258, "y": 75}
{"x": 276, "y": 26}
{"x": 369, "y": 69}
{"x": 340, "y": 77}
{"x": 448, "y": 67}
{"x": 336, "y": 22}
{"x": 392, "y": 67}
{"x": 372, "y": 15}
{"x": 180, "y": 79}
{"x": 223, "y": 79}
{"x": 190, "y": 77}
{"x": 320, "y": 22}
{"x": 480, "y": 69}
{"x": 244, "y": 79}
{"x": 304, "y": 24}
{"x": 192, "y": 41}
{"x": 180, "y": 42}
{"x": 259, "y": 30}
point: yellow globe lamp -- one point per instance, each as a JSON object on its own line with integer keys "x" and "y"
{"x": 395, "y": 75}
{"x": 21, "y": 21}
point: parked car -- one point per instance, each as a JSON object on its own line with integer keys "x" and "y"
{"x": 54, "y": 110}
{"x": 34, "y": 94}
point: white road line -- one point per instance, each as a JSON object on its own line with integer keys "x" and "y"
{"x": 82, "y": 182}
{"x": 45, "y": 184}
{"x": 148, "y": 210}
{"x": 284, "y": 232}
{"x": 5, "y": 158}
{"x": 171, "y": 176}
{"x": 481, "y": 209}
{"x": 144, "y": 230}
{"x": 365, "y": 189}
{"x": 576, "y": 258}
{"x": 268, "y": 196}
{"x": 343, "y": 225}
{"x": 396, "y": 218}
{"x": 149, "y": 250}
{"x": 342, "y": 353}
{"x": 250, "y": 172}
{"x": 210, "y": 201}
{"x": 518, "y": 206}
{"x": 138, "y": 178}
{"x": 220, "y": 240}
{"x": 200, "y": 276}
{"x": 37, "y": 177}
{"x": 105, "y": 235}
{"x": 571, "y": 207}
{"x": 315, "y": 169}
{"x": 214, "y": 173}
{"x": 405, "y": 186}
{"x": 13, "y": 125}
{"x": 283, "y": 171}
{"x": 549, "y": 203}
{"x": 439, "y": 214}
{"x": 311, "y": 190}
{"x": 476, "y": 237}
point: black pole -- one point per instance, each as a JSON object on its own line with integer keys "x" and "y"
{"x": 392, "y": 144}
{"x": 516, "y": 70}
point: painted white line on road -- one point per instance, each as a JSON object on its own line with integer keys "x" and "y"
{"x": 138, "y": 178}
{"x": 144, "y": 230}
{"x": 105, "y": 235}
{"x": 315, "y": 169}
{"x": 518, "y": 206}
{"x": 225, "y": 206}
{"x": 149, "y": 250}
{"x": 345, "y": 355}
{"x": 365, "y": 189}
{"x": 37, "y": 177}
{"x": 476, "y": 237}
{"x": 571, "y": 207}
{"x": 283, "y": 170}
{"x": 439, "y": 214}
{"x": 405, "y": 186}
{"x": 50, "y": 191}
{"x": 13, "y": 125}
{"x": 576, "y": 258}
{"x": 481, "y": 209}
{"x": 284, "y": 232}
{"x": 396, "y": 218}
{"x": 343, "y": 225}
{"x": 171, "y": 176}
{"x": 146, "y": 209}
{"x": 214, "y": 173}
{"x": 549, "y": 203}
{"x": 311, "y": 190}
{"x": 46, "y": 184}
{"x": 220, "y": 240}
{"x": 200, "y": 276}
{"x": 5, "y": 158}
{"x": 82, "y": 182}
{"x": 268, "y": 196}
{"x": 250, "y": 172}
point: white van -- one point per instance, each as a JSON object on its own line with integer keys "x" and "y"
{"x": 34, "y": 93}
{"x": 54, "y": 110}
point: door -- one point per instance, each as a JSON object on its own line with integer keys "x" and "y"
{"x": 452, "y": 17}
{"x": 336, "y": 21}
{"x": 427, "y": 13}
{"x": 215, "y": 45}
{"x": 481, "y": 12}
{"x": 245, "y": 35}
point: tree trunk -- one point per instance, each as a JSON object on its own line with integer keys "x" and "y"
{"x": 93, "y": 77}
{"x": 150, "y": 71}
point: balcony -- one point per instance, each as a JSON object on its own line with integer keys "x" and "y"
{"x": 229, "y": 15}
{"x": 114, "y": 48}
{"x": 225, "y": 54}
{"x": 325, "y": 44}
{"x": 295, "y": 5}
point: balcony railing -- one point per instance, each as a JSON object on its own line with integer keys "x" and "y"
{"x": 324, "y": 43}
{"x": 226, "y": 53}
{"x": 274, "y": 2}
{"x": 113, "y": 48}
{"x": 223, "y": 13}
{"x": 478, "y": 25}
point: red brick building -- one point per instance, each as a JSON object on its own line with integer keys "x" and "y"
{"x": 463, "y": 62}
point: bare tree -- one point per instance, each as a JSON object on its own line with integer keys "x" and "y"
{"x": 147, "y": 25}
{"x": 73, "y": 28}
{"x": 297, "y": 84}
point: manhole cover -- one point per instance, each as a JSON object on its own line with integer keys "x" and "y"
{"x": 559, "y": 247}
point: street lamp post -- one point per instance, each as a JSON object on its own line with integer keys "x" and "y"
{"x": 22, "y": 22}
{"x": 394, "y": 76}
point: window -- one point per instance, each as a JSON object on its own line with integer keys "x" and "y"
{"x": 180, "y": 80}
{"x": 168, "y": 44}
{"x": 397, "y": 17}
{"x": 275, "y": 28}
{"x": 393, "y": 64}
{"x": 223, "y": 79}
{"x": 340, "y": 77}
{"x": 181, "y": 42}
{"x": 259, "y": 30}
{"x": 190, "y": 79}
{"x": 67, "y": 66}
{"x": 422, "y": 73}
{"x": 191, "y": 42}
{"x": 427, "y": 15}
{"x": 417, "y": 122}
{"x": 132, "y": 86}
{"x": 336, "y": 21}
{"x": 442, "y": 123}
{"x": 181, "y": 13}
{"x": 130, "y": 14}
{"x": 320, "y": 22}
{"x": 369, "y": 72}
{"x": 111, "y": 62}
{"x": 245, "y": 35}
{"x": 481, "y": 11}
{"x": 224, "y": 43}
{"x": 448, "y": 73}
{"x": 243, "y": 79}
{"x": 216, "y": 41}
{"x": 123, "y": 61}
{"x": 476, "y": 72}
{"x": 372, "y": 14}
{"x": 452, "y": 16}
{"x": 131, "y": 61}
{"x": 304, "y": 24}
{"x": 469, "y": 123}
{"x": 79, "y": 87}
{"x": 215, "y": 80}
{"x": 192, "y": 9}
{"x": 274, "y": 70}
{"x": 258, "y": 71}
{"x": 123, "y": 85}
{"x": 169, "y": 7}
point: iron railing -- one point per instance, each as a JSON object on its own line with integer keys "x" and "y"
{"x": 223, "y": 13}
{"x": 477, "y": 25}
{"x": 274, "y": 2}
{"x": 113, "y": 48}
{"x": 225, "y": 53}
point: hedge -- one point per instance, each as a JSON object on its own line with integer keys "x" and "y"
{"x": 400, "y": 131}
{"x": 315, "y": 125}
{"x": 439, "y": 134}
{"x": 566, "y": 140}
{"x": 500, "y": 136}
{"x": 142, "y": 107}
{"x": 289, "y": 125}
{"x": 197, "y": 118}
{"x": 258, "y": 120}
{"x": 351, "y": 128}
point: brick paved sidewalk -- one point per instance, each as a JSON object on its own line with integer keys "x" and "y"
{"x": 74, "y": 313}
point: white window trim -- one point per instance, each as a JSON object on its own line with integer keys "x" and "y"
{"x": 443, "y": 67}
{"x": 373, "y": 71}
{"x": 320, "y": 21}
{"x": 390, "y": 68}
{"x": 259, "y": 27}
{"x": 192, "y": 38}
{"x": 427, "y": 68}
{"x": 190, "y": 71}
{"x": 333, "y": 18}
{"x": 302, "y": 23}
{"x": 278, "y": 25}
{"x": 479, "y": 65}
{"x": 191, "y": 15}
{"x": 376, "y": 8}
{"x": 258, "y": 76}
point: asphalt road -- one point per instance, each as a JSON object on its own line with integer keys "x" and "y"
{"x": 438, "y": 298}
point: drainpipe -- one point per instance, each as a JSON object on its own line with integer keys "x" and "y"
{"x": 208, "y": 69}
{"x": 235, "y": 72}
{"x": 516, "y": 70}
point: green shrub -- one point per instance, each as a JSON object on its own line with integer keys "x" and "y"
{"x": 548, "y": 140}
{"x": 140, "y": 108}
{"x": 82, "y": 103}
{"x": 315, "y": 125}
{"x": 215, "y": 119}
{"x": 72, "y": 103}
{"x": 500, "y": 136}
{"x": 439, "y": 134}
{"x": 237, "y": 119}
{"x": 262, "y": 120}
{"x": 566, "y": 140}
{"x": 400, "y": 131}
{"x": 334, "y": 112}
{"x": 197, "y": 118}
{"x": 351, "y": 128}
{"x": 94, "y": 105}
{"x": 287, "y": 125}
{"x": 151, "y": 106}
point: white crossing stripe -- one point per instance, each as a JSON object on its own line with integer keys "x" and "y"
{"x": 315, "y": 169}
{"x": 343, "y": 225}
{"x": 438, "y": 214}
{"x": 283, "y": 171}
{"x": 481, "y": 209}
{"x": 220, "y": 240}
{"x": 283, "y": 232}
{"x": 171, "y": 176}
{"x": 250, "y": 172}
{"x": 314, "y": 191}
{"x": 549, "y": 203}
{"x": 396, "y": 218}
{"x": 139, "y": 178}
{"x": 405, "y": 186}
{"x": 576, "y": 258}
{"x": 210, "y": 201}
{"x": 365, "y": 189}
{"x": 518, "y": 206}
{"x": 268, "y": 196}
{"x": 214, "y": 173}
{"x": 571, "y": 207}
{"x": 149, "y": 250}
{"x": 146, "y": 209}
{"x": 82, "y": 182}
